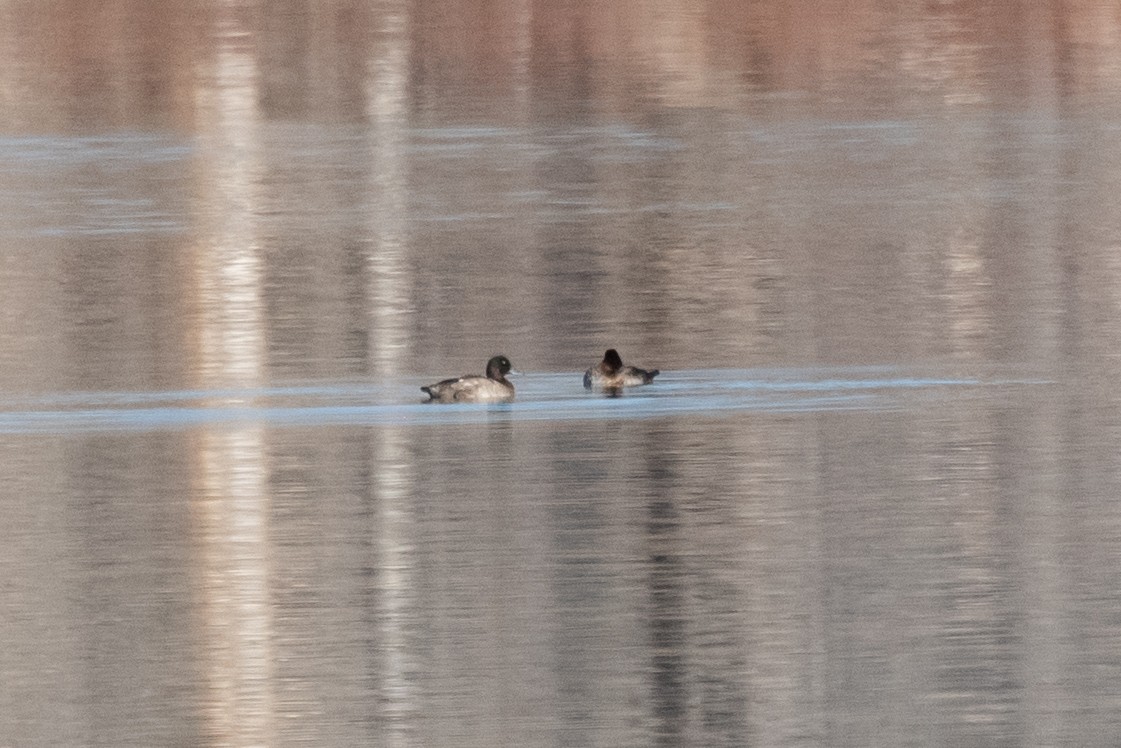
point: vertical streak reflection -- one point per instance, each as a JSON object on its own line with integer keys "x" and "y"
{"x": 667, "y": 630}
{"x": 389, "y": 314}
{"x": 388, "y": 269}
{"x": 234, "y": 584}
{"x": 232, "y": 501}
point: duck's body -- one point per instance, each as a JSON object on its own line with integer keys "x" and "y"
{"x": 611, "y": 374}
{"x": 472, "y": 388}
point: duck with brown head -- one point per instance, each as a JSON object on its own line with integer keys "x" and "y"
{"x": 472, "y": 388}
{"x": 611, "y": 374}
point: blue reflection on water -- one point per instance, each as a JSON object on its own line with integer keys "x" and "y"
{"x": 105, "y": 151}
{"x": 90, "y": 186}
{"x": 540, "y": 397}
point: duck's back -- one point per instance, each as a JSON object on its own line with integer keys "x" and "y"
{"x": 599, "y": 376}
{"x": 632, "y": 376}
{"x": 470, "y": 389}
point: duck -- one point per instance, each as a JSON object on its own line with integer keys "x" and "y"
{"x": 610, "y": 374}
{"x": 473, "y": 388}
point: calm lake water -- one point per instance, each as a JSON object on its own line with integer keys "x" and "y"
{"x": 874, "y": 499}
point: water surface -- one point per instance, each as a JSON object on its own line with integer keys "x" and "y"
{"x": 871, "y": 500}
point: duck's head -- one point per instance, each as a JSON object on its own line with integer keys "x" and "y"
{"x": 612, "y": 361}
{"x": 498, "y": 367}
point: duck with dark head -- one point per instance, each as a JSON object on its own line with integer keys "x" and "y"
{"x": 473, "y": 388}
{"x": 611, "y": 374}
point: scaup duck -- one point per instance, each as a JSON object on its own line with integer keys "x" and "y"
{"x": 610, "y": 374}
{"x": 472, "y": 388}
